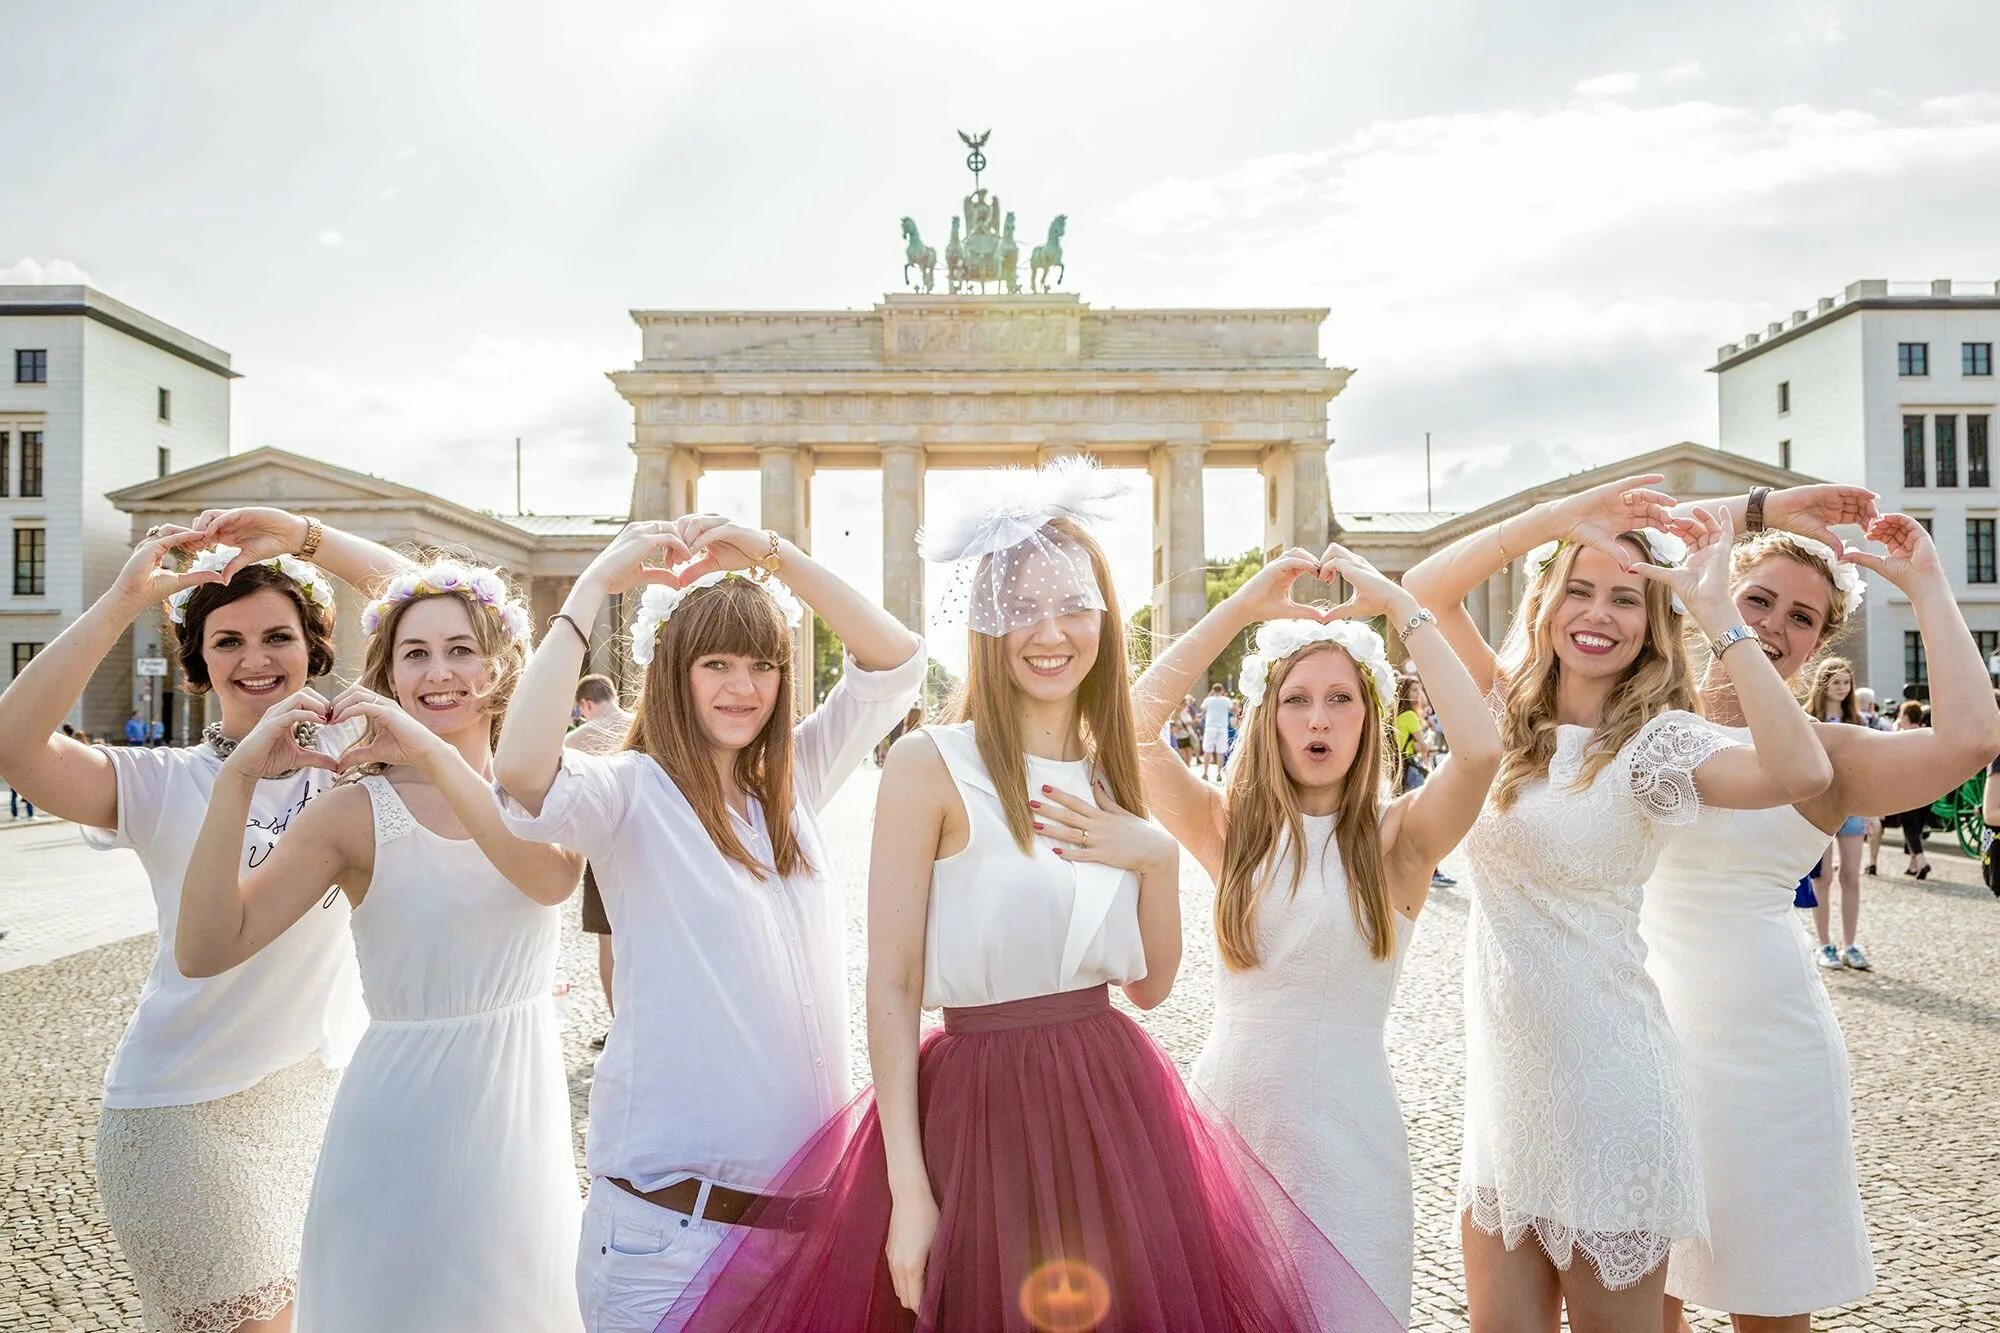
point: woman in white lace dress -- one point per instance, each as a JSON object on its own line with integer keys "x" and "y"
{"x": 1767, "y": 1067}
{"x": 216, "y": 1097}
{"x": 446, "y": 1196}
{"x": 1319, "y": 878}
{"x": 1576, "y": 1112}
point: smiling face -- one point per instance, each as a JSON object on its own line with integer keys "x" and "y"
{"x": 733, "y": 696}
{"x": 437, "y": 671}
{"x": 1049, "y": 659}
{"x": 256, "y": 653}
{"x": 1787, "y": 603}
{"x": 1598, "y": 621}
{"x": 1319, "y": 711}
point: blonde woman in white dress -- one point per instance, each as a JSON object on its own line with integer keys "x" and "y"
{"x": 216, "y": 1097}
{"x": 446, "y": 1195}
{"x": 1577, "y": 1128}
{"x": 1767, "y": 1067}
{"x": 1319, "y": 879}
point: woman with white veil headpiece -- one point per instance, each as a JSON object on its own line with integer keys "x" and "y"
{"x": 1037, "y": 1162}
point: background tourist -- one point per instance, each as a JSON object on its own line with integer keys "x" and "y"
{"x": 604, "y": 730}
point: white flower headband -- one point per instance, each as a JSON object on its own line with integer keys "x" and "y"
{"x": 448, "y": 576}
{"x": 311, "y": 583}
{"x": 1662, "y": 548}
{"x": 659, "y": 602}
{"x": 1847, "y": 580}
{"x": 1279, "y": 639}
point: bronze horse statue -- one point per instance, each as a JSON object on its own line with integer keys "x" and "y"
{"x": 1048, "y": 256}
{"x": 919, "y": 256}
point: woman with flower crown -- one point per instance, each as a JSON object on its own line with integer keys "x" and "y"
{"x": 1767, "y": 1067}
{"x": 446, "y": 1192}
{"x": 729, "y": 1044}
{"x": 215, "y": 1100}
{"x": 1577, "y": 1125}
{"x": 1319, "y": 878}
{"x": 1037, "y": 1163}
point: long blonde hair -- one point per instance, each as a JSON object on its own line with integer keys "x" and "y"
{"x": 1103, "y": 707}
{"x": 1850, "y": 711}
{"x": 1264, "y": 816}
{"x": 1659, "y": 679}
{"x": 736, "y": 618}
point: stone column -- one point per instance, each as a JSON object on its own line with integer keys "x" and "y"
{"x": 664, "y": 484}
{"x": 902, "y": 515}
{"x": 785, "y": 490}
{"x": 1180, "y": 594}
{"x": 1478, "y": 605}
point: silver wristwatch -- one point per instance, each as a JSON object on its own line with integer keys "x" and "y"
{"x": 1735, "y": 634}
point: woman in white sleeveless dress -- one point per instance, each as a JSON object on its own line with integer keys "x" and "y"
{"x": 1576, "y": 1112}
{"x": 1767, "y": 1067}
{"x": 446, "y": 1196}
{"x": 216, "y": 1098}
{"x": 1319, "y": 883}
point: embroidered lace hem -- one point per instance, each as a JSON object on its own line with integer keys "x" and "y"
{"x": 232, "y": 1311}
{"x": 1620, "y": 1258}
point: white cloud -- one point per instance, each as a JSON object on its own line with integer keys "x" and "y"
{"x": 388, "y": 192}
{"x": 1686, "y": 72}
{"x": 405, "y": 154}
{"x": 31, "y": 272}
{"x": 1609, "y": 85}
{"x": 328, "y": 238}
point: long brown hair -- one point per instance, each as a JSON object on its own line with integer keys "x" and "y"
{"x": 1103, "y": 706}
{"x": 1659, "y": 678}
{"x": 1264, "y": 816}
{"x": 735, "y": 618}
{"x": 1816, "y": 701}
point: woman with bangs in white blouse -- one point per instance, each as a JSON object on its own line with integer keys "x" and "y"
{"x": 730, "y": 1042}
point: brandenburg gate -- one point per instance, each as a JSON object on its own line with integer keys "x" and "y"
{"x": 967, "y": 379}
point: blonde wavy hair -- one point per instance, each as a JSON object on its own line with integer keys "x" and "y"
{"x": 1264, "y": 817}
{"x": 1753, "y": 550}
{"x": 1660, "y": 678}
{"x": 506, "y": 656}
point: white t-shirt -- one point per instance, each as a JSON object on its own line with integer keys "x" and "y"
{"x": 729, "y": 1045}
{"x": 1215, "y": 711}
{"x": 196, "y": 1040}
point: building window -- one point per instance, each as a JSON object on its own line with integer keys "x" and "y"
{"x": 31, "y": 366}
{"x": 24, "y": 653}
{"x": 1944, "y": 430}
{"x": 1916, "y": 671}
{"x": 166, "y": 461}
{"x": 1913, "y": 451}
{"x": 30, "y": 562}
{"x": 1785, "y": 454}
{"x": 1979, "y": 550}
{"x": 6, "y": 462}
{"x": 1924, "y": 521}
{"x": 31, "y": 462}
{"x": 1989, "y": 643}
{"x": 1784, "y": 397}
{"x": 1913, "y": 358}
{"x": 1978, "y": 465}
{"x": 166, "y": 404}
{"x": 1976, "y": 359}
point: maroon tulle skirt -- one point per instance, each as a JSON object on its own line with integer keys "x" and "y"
{"x": 1078, "y": 1188}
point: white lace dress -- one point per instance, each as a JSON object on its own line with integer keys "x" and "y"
{"x": 1295, "y": 1063}
{"x": 1577, "y": 1125}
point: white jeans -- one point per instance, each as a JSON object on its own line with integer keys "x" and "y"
{"x": 635, "y": 1259}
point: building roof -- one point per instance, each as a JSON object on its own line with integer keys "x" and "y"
{"x": 44, "y": 299}
{"x": 1402, "y": 520}
{"x": 567, "y": 525}
{"x": 1867, "y": 294}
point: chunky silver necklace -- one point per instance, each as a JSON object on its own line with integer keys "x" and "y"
{"x": 306, "y": 733}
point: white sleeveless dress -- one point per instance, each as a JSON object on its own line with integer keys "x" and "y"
{"x": 1295, "y": 1062}
{"x": 1577, "y": 1125}
{"x": 446, "y": 1197}
{"x": 1767, "y": 1068}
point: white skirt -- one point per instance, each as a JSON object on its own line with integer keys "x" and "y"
{"x": 208, "y": 1201}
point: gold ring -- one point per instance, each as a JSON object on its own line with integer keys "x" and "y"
{"x": 1086, "y": 837}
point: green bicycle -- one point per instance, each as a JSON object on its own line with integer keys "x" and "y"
{"x": 1960, "y": 811}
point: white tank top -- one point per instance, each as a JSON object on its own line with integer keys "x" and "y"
{"x": 1007, "y": 925}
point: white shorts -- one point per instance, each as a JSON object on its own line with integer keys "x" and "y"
{"x": 1215, "y": 741}
{"x": 635, "y": 1259}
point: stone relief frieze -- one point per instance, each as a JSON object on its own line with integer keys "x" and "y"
{"x": 1001, "y": 408}
{"x": 971, "y": 337}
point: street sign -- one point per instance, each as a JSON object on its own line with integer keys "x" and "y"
{"x": 152, "y": 666}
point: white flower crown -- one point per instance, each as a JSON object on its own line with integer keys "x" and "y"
{"x": 1278, "y": 639}
{"x": 659, "y": 602}
{"x": 448, "y": 576}
{"x": 1847, "y": 580}
{"x": 311, "y": 583}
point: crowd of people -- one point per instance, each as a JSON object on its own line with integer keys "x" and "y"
{"x": 341, "y": 1104}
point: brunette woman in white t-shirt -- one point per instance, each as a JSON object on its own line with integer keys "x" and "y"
{"x": 729, "y": 1042}
{"x": 216, "y": 1098}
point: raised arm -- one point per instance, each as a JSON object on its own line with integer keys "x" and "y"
{"x": 61, "y": 775}
{"x": 228, "y": 913}
{"x": 1593, "y": 518}
{"x": 531, "y": 739}
{"x": 543, "y": 871}
{"x": 261, "y": 533}
{"x": 1878, "y": 773}
{"x": 1809, "y": 511}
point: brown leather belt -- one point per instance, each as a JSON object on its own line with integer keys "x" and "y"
{"x": 731, "y": 1207}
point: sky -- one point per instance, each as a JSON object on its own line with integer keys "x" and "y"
{"x": 419, "y": 229}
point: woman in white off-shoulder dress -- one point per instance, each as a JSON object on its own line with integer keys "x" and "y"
{"x": 1319, "y": 878}
{"x": 1767, "y": 1066}
{"x": 1577, "y": 1127}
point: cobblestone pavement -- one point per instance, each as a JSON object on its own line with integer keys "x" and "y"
{"x": 1924, "y": 1029}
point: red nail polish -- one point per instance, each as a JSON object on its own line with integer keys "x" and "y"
{"x": 1038, "y": 824}
{"x": 1034, "y": 805}
{"x": 1046, "y": 789}
{"x": 1057, "y": 850}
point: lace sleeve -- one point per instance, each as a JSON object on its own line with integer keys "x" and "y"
{"x": 1661, "y": 767}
